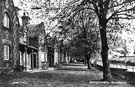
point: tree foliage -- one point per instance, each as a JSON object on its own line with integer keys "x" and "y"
{"x": 104, "y": 11}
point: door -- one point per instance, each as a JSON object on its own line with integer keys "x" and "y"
{"x": 35, "y": 60}
{"x": 51, "y": 60}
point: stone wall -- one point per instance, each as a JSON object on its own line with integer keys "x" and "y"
{"x": 8, "y": 35}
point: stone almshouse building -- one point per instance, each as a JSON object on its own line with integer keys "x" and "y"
{"x": 31, "y": 40}
{"x": 24, "y": 45}
{"x": 9, "y": 26}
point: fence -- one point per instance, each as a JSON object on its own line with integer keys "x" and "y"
{"x": 120, "y": 63}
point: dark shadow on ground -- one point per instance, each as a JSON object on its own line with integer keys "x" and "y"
{"x": 75, "y": 69}
{"x": 130, "y": 77}
{"x": 74, "y": 64}
{"x": 121, "y": 75}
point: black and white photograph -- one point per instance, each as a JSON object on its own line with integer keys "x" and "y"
{"x": 67, "y": 43}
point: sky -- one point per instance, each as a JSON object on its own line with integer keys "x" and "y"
{"x": 33, "y": 14}
{"x": 27, "y": 5}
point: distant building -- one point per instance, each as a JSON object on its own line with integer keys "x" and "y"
{"x": 31, "y": 44}
{"x": 9, "y": 26}
{"x": 61, "y": 55}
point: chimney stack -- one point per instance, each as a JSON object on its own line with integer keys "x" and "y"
{"x": 25, "y": 19}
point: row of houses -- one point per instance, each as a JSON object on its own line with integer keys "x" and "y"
{"x": 25, "y": 45}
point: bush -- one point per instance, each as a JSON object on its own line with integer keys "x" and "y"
{"x": 5, "y": 71}
{"x": 19, "y": 68}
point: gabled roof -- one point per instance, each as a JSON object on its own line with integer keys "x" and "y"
{"x": 35, "y": 29}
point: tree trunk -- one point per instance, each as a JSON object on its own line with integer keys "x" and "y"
{"x": 104, "y": 52}
{"x": 88, "y": 61}
{"x": 88, "y": 64}
{"x": 87, "y": 57}
{"x": 85, "y": 61}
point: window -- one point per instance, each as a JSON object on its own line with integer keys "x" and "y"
{"x": 6, "y": 20}
{"x": 25, "y": 37}
{"x": 6, "y": 52}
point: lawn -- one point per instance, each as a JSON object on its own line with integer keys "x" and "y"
{"x": 59, "y": 78}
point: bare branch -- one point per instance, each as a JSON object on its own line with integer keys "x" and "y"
{"x": 117, "y": 13}
{"x": 121, "y": 4}
{"x": 123, "y": 18}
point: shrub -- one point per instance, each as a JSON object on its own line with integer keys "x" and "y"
{"x": 19, "y": 68}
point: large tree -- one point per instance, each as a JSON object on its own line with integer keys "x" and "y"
{"x": 105, "y": 11}
{"x": 116, "y": 9}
